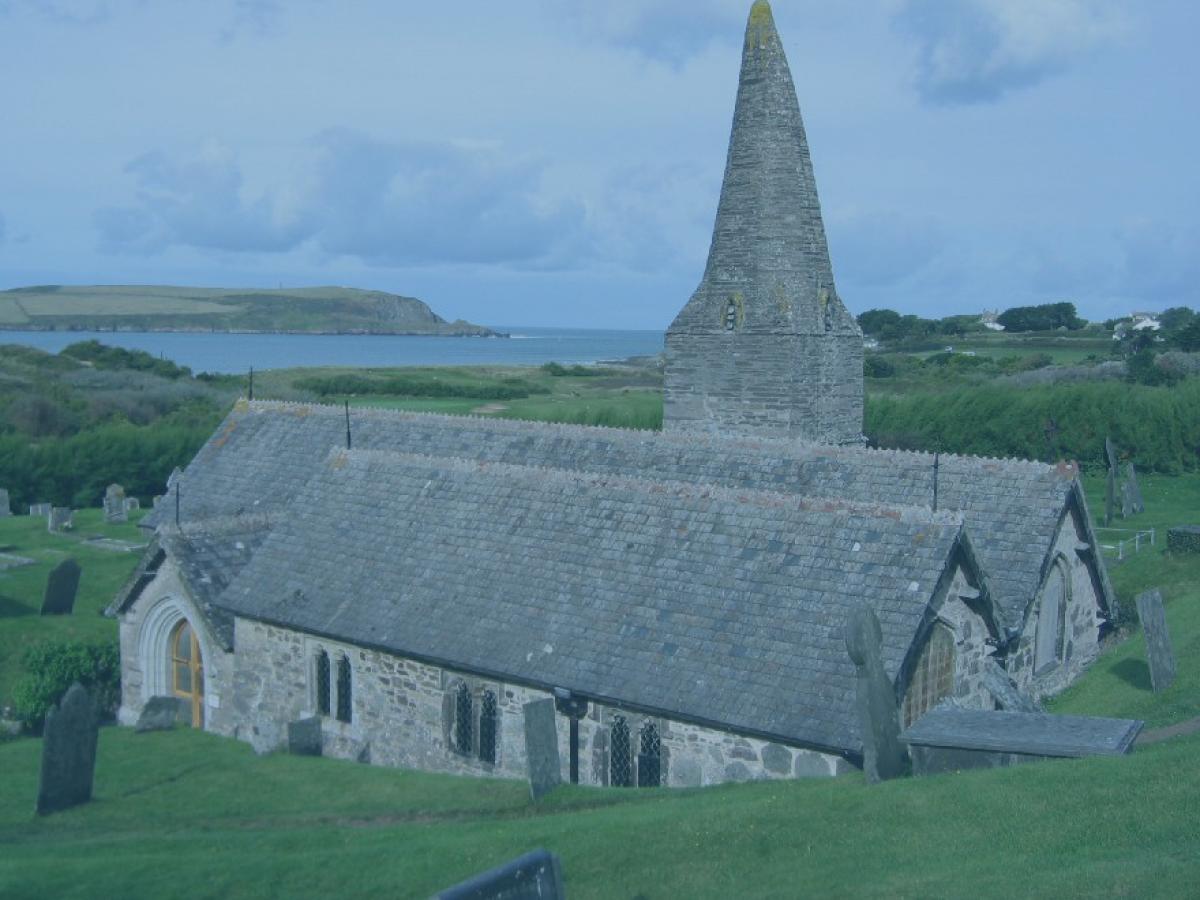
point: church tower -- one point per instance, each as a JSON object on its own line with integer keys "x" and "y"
{"x": 765, "y": 346}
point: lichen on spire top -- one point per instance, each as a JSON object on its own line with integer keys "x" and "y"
{"x": 760, "y": 28}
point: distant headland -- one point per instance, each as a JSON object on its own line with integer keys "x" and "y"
{"x": 309, "y": 310}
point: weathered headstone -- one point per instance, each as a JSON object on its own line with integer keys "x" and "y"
{"x": 132, "y": 504}
{"x": 61, "y": 518}
{"x": 534, "y": 876}
{"x": 5, "y": 509}
{"x": 541, "y": 748}
{"x": 68, "y": 752}
{"x": 875, "y": 698}
{"x": 163, "y": 714}
{"x": 1110, "y": 496}
{"x": 114, "y": 504}
{"x": 1110, "y": 455}
{"x": 39, "y": 509}
{"x": 1159, "y": 655}
{"x": 1126, "y": 500}
{"x": 61, "y": 586}
{"x": 304, "y": 736}
{"x": 1004, "y": 690}
{"x": 1135, "y": 490}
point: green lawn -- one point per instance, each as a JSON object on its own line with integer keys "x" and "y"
{"x": 21, "y": 590}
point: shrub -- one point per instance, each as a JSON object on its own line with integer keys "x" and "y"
{"x": 558, "y": 370}
{"x": 104, "y": 357}
{"x": 51, "y": 668}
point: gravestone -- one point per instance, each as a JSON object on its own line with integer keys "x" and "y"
{"x": 61, "y": 586}
{"x": 114, "y": 504}
{"x": 5, "y": 509}
{"x": 304, "y": 737}
{"x": 1110, "y": 455}
{"x": 1004, "y": 690}
{"x": 1126, "y": 500}
{"x": 61, "y": 518}
{"x": 132, "y": 504}
{"x": 1159, "y": 655}
{"x": 534, "y": 876}
{"x": 1135, "y": 490}
{"x": 1183, "y": 539}
{"x": 163, "y": 714}
{"x": 1110, "y": 496}
{"x": 39, "y": 509}
{"x": 68, "y": 752}
{"x": 875, "y": 698}
{"x": 541, "y": 748}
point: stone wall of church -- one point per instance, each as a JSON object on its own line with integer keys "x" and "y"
{"x": 144, "y": 635}
{"x": 404, "y": 715}
{"x": 808, "y": 387}
{"x": 1080, "y": 623}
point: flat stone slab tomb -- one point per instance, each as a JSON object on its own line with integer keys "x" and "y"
{"x": 947, "y": 740}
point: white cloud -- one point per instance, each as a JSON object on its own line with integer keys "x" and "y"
{"x": 973, "y": 51}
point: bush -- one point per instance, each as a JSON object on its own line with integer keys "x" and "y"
{"x": 104, "y": 357}
{"x": 558, "y": 370}
{"x": 1045, "y": 317}
{"x": 51, "y": 668}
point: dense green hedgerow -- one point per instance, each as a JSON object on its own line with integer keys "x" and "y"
{"x": 410, "y": 386}
{"x": 51, "y": 668}
{"x": 103, "y": 356}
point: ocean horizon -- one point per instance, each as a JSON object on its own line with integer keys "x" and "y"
{"x": 227, "y": 353}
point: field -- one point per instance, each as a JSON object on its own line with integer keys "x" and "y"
{"x": 190, "y": 814}
{"x": 1064, "y": 349}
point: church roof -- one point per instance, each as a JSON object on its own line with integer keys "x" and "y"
{"x": 769, "y": 257}
{"x": 264, "y": 451}
{"x": 716, "y": 605}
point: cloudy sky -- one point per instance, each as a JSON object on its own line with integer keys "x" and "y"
{"x": 557, "y": 162}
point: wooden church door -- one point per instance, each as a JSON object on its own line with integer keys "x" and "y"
{"x": 187, "y": 670}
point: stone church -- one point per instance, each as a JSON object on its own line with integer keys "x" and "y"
{"x": 412, "y": 579}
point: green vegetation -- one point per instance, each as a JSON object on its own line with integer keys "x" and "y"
{"x": 51, "y": 668}
{"x": 433, "y": 387}
{"x": 1046, "y": 317}
{"x": 318, "y": 310}
{"x": 118, "y": 359}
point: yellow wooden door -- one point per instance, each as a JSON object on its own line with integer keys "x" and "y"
{"x": 187, "y": 668}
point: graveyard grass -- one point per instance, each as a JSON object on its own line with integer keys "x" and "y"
{"x": 190, "y": 814}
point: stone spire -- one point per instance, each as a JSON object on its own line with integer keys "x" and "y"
{"x": 765, "y": 345}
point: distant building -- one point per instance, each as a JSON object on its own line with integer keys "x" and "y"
{"x": 989, "y": 319}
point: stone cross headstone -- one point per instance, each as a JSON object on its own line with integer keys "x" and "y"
{"x": 132, "y": 504}
{"x": 163, "y": 714}
{"x": 1159, "y": 655}
{"x": 541, "y": 748}
{"x": 1135, "y": 491}
{"x": 61, "y": 518}
{"x": 61, "y": 587}
{"x": 39, "y": 509}
{"x": 114, "y": 504}
{"x": 1004, "y": 690}
{"x": 875, "y": 698}
{"x": 534, "y": 876}
{"x": 304, "y": 736}
{"x": 5, "y": 508}
{"x": 68, "y": 752}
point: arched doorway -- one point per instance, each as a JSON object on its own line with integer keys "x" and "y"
{"x": 187, "y": 670}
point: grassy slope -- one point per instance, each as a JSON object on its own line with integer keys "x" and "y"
{"x": 104, "y": 571}
{"x": 190, "y": 814}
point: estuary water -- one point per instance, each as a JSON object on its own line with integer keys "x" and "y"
{"x": 234, "y": 353}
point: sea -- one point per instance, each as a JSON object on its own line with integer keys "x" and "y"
{"x": 234, "y": 353}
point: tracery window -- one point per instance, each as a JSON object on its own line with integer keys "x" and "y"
{"x": 344, "y": 704}
{"x": 464, "y": 731}
{"x": 323, "y": 683}
{"x": 487, "y": 726}
{"x": 620, "y": 762}
{"x": 649, "y": 768}
{"x": 933, "y": 678}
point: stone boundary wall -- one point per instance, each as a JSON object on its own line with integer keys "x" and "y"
{"x": 403, "y": 715}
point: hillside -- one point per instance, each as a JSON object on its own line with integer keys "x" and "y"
{"x": 315, "y": 310}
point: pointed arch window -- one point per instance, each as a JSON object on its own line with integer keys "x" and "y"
{"x": 620, "y": 762}
{"x": 1052, "y": 614}
{"x": 464, "y": 731}
{"x": 649, "y": 767}
{"x": 731, "y": 315}
{"x": 323, "y": 683}
{"x": 344, "y": 699}
{"x": 488, "y": 719}
{"x": 933, "y": 678}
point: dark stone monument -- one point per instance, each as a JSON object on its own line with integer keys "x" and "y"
{"x": 948, "y": 740}
{"x": 1159, "y": 655}
{"x": 1135, "y": 490}
{"x": 114, "y": 504}
{"x": 68, "y": 752}
{"x": 163, "y": 714}
{"x": 1183, "y": 539}
{"x": 61, "y": 519}
{"x": 878, "y": 718}
{"x": 534, "y": 876}
{"x": 61, "y": 586}
{"x": 541, "y": 748}
{"x": 5, "y": 509}
{"x": 304, "y": 737}
{"x": 1004, "y": 690}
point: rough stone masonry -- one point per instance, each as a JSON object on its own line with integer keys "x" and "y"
{"x": 765, "y": 346}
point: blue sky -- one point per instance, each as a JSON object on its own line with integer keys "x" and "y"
{"x": 557, "y": 162}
